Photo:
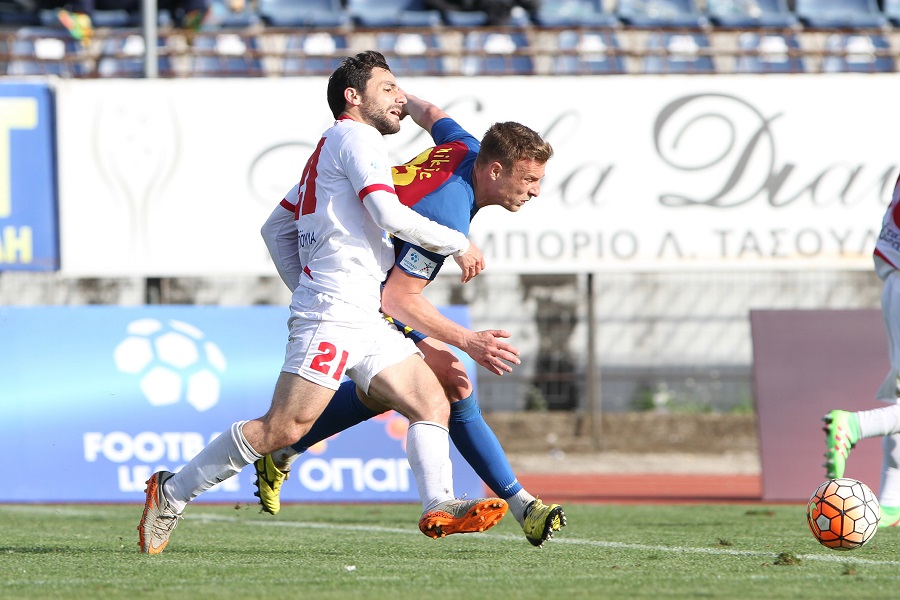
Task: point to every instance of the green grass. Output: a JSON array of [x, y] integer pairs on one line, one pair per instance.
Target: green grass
[[376, 551]]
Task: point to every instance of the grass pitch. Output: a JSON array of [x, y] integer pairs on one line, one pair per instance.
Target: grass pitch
[[376, 551]]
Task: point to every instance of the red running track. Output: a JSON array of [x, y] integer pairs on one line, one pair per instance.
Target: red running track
[[591, 487]]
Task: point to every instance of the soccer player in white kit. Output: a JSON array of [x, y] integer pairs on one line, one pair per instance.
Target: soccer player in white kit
[[345, 205], [844, 429]]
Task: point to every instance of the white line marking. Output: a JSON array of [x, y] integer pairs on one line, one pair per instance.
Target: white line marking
[[836, 557]]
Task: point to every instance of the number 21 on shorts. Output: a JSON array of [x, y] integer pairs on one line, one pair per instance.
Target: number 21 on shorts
[[325, 361]]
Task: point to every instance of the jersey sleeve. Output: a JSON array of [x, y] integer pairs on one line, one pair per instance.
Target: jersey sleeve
[[280, 234], [366, 166], [447, 130]]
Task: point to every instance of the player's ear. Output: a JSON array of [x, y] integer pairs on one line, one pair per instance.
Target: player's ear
[[496, 169], [352, 97]]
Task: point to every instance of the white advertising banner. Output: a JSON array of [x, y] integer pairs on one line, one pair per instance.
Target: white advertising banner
[[175, 177]]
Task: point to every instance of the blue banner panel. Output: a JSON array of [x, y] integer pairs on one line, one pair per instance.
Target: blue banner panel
[[109, 395], [28, 217]]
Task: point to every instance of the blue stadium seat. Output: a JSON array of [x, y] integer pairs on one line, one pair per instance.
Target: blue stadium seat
[[587, 53], [857, 53], [476, 18], [769, 52], [44, 51], [496, 53], [891, 10], [839, 14], [411, 53], [303, 13], [750, 14], [652, 14], [122, 55], [222, 17], [225, 54], [575, 13], [392, 13], [314, 53], [14, 13], [466, 18], [678, 53]]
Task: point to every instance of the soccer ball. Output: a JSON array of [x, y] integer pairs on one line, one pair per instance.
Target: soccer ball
[[173, 361], [843, 514]]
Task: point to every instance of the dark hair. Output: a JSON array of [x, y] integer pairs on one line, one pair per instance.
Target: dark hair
[[353, 72], [509, 142]]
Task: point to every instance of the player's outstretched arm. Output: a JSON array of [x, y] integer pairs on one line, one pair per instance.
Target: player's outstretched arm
[[402, 299], [425, 114]]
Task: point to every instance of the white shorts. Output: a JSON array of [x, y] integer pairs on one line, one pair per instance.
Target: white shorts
[[329, 338]]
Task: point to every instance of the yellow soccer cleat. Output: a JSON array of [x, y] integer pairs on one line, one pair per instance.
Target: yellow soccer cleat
[[268, 484], [541, 520]]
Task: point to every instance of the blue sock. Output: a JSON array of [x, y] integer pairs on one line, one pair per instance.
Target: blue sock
[[343, 412], [477, 443]]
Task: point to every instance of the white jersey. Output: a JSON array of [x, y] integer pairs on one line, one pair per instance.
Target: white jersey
[[328, 234], [343, 251], [887, 247]]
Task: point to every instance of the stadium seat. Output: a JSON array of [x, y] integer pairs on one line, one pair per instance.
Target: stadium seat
[[313, 53], [750, 14], [44, 51], [495, 53], [856, 53], [587, 53], [677, 53], [891, 10], [839, 14], [652, 14], [303, 13], [15, 13], [122, 55], [575, 13], [411, 53], [225, 54], [770, 52], [476, 18], [392, 13], [220, 16], [465, 18]]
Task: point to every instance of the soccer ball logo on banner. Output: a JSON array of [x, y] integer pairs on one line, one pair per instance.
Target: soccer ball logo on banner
[[173, 362]]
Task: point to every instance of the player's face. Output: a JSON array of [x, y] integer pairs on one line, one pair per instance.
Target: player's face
[[382, 102], [518, 185]]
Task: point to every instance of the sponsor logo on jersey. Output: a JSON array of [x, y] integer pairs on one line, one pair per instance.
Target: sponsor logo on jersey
[[427, 172], [417, 264]]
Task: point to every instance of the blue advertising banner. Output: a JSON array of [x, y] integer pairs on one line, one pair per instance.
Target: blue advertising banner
[[28, 216], [105, 396]]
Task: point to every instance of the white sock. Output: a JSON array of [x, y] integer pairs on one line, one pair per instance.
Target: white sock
[[889, 494], [220, 459], [284, 458], [879, 421], [428, 452], [518, 504]]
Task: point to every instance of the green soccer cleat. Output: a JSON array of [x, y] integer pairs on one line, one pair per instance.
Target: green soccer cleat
[[890, 516], [541, 520], [841, 434], [268, 484], [158, 519], [462, 516]]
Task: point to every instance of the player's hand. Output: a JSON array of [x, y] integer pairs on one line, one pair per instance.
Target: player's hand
[[488, 349], [471, 263]]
